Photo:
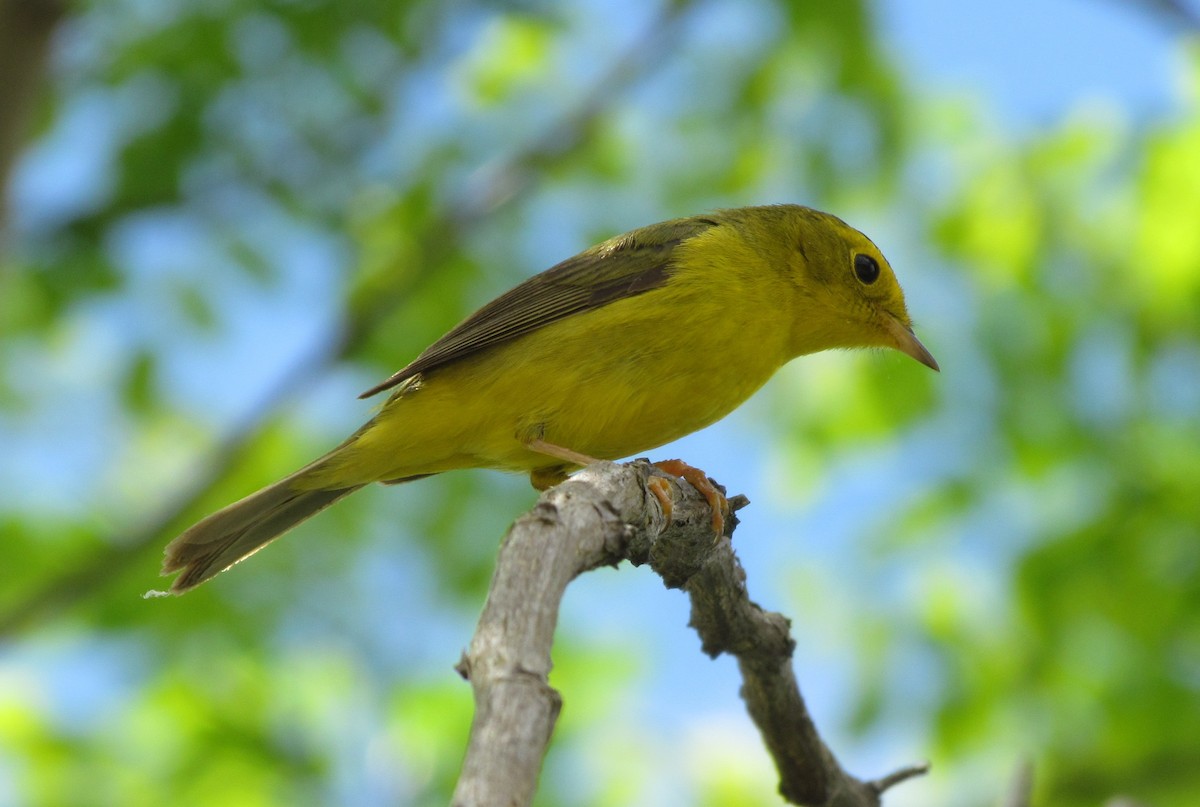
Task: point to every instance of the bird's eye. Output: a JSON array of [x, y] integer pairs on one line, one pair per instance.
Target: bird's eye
[[866, 269]]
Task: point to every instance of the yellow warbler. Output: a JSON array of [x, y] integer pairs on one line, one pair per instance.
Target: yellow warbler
[[628, 345]]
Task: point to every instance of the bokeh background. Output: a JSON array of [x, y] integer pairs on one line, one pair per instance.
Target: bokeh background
[[223, 219]]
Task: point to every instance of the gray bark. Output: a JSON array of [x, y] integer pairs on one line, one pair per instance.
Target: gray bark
[[601, 516]]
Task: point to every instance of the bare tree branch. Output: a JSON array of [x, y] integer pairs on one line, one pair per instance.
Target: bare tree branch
[[600, 516], [573, 528], [504, 183]]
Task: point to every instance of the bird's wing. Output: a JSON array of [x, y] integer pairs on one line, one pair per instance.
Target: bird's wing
[[625, 266]]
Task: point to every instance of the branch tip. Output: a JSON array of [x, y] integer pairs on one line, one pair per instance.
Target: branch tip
[[463, 667], [896, 777], [738, 502]]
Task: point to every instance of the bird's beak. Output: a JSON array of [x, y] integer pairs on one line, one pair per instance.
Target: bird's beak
[[904, 340]]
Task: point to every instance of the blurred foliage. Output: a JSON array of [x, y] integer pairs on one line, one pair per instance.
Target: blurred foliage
[[236, 215]]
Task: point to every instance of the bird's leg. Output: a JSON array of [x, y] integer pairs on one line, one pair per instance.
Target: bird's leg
[[558, 452], [543, 478], [699, 480]]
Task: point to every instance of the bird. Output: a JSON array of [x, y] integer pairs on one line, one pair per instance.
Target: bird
[[628, 345]]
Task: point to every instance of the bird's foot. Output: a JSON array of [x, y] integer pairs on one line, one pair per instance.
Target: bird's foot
[[700, 481]]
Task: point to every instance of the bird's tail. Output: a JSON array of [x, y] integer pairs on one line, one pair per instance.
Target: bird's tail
[[236, 532]]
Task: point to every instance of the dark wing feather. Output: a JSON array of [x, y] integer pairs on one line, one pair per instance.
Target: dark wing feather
[[624, 266]]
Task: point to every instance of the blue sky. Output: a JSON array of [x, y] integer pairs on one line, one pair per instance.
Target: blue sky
[[1031, 62]]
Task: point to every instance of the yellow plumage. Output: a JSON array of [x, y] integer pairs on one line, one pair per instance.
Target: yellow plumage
[[629, 345]]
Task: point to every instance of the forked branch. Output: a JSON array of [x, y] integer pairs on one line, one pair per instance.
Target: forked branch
[[603, 515]]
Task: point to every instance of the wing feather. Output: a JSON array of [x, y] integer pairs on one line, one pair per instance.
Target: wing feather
[[622, 267]]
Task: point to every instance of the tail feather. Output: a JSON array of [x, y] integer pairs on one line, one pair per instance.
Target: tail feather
[[236, 532]]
